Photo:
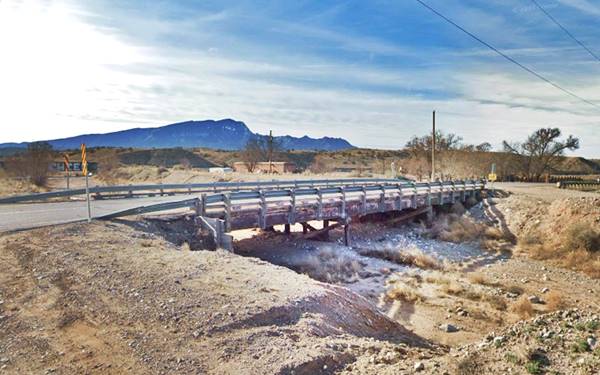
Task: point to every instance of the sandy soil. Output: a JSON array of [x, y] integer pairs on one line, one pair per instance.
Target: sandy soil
[[117, 298]]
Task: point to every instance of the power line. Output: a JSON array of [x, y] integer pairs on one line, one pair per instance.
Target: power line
[[565, 30], [531, 71]]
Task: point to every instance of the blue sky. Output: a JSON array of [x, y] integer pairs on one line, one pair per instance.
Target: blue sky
[[370, 72]]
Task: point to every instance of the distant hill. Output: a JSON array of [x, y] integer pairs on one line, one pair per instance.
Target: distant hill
[[167, 157], [222, 134]]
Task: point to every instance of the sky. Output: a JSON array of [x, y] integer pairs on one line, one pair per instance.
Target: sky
[[368, 71]]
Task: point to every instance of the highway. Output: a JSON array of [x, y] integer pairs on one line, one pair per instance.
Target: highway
[[32, 215]]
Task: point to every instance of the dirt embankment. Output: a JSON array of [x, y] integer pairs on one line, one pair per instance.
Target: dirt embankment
[[119, 298], [106, 298]]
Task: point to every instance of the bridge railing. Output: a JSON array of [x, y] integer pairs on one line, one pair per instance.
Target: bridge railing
[[579, 185], [172, 189], [221, 203]]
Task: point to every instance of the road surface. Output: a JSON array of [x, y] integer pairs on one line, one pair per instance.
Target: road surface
[[544, 192], [32, 215]]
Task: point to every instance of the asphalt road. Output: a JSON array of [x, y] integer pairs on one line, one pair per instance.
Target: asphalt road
[[32, 215]]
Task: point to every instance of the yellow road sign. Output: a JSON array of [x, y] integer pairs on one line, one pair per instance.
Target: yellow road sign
[[492, 177], [66, 161], [83, 160]]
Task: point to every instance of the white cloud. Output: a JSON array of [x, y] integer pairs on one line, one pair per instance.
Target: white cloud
[[64, 76]]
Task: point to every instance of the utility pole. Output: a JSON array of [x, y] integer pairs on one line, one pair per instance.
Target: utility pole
[[433, 150], [270, 151]]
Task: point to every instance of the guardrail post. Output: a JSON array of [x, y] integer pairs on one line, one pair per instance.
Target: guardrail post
[[398, 202], [292, 215], [203, 205], [429, 194], [320, 203], [227, 200], [214, 186], [263, 210], [162, 192], [463, 192], [130, 193], [413, 199], [382, 199], [364, 201], [441, 193], [189, 189], [198, 207], [343, 213]]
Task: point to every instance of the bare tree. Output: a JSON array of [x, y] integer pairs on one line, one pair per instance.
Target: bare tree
[[33, 164], [253, 153], [541, 151]]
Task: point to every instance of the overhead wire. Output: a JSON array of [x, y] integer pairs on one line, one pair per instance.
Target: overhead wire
[[512, 60], [565, 30]]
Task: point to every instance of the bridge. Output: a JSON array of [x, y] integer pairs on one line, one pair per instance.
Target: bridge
[[224, 206], [223, 212]]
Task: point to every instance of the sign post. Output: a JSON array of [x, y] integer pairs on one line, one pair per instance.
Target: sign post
[[67, 169], [87, 183], [492, 176]]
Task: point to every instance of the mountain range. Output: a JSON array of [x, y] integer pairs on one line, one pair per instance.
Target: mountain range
[[223, 134]]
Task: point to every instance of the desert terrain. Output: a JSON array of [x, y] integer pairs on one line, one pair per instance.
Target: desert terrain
[[486, 288]]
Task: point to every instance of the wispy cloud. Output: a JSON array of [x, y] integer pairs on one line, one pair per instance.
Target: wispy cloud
[[369, 72]]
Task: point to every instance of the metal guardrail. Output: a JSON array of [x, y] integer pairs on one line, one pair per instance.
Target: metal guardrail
[[581, 185], [129, 190], [225, 200]]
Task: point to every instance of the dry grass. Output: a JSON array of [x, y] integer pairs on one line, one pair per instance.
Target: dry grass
[[411, 257], [435, 277], [497, 302], [522, 307], [403, 292], [577, 248], [458, 228], [453, 289], [515, 289], [555, 301], [477, 278], [329, 266]]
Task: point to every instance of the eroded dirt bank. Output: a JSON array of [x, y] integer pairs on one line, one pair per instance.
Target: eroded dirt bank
[[116, 298], [105, 298]]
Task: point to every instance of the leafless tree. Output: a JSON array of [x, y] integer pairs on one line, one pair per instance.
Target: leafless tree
[[541, 151], [33, 164], [254, 152]]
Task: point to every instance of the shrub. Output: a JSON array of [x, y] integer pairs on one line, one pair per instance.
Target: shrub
[[404, 293], [580, 346], [496, 302], [581, 236], [555, 301], [523, 308]]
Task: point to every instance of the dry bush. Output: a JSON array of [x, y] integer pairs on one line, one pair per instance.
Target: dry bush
[[459, 228], [493, 233], [329, 266], [555, 301], [581, 236], [454, 228], [452, 288], [411, 257], [515, 289], [403, 292], [496, 302], [522, 307], [436, 277], [578, 249], [477, 278]]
